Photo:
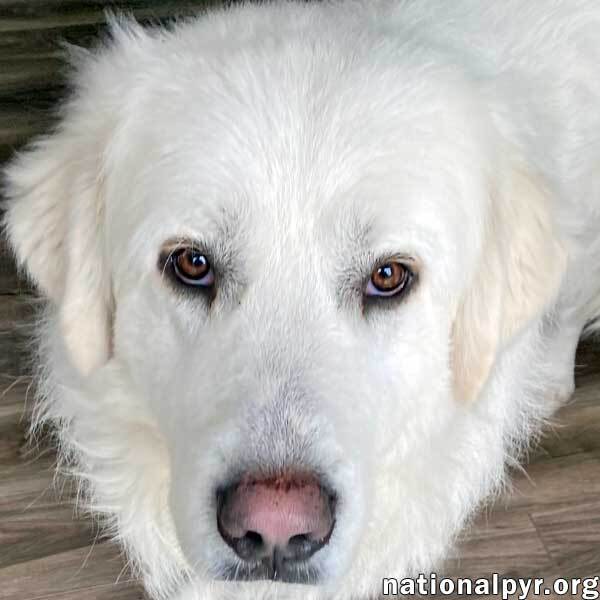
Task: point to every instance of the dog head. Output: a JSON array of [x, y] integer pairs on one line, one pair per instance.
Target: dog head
[[283, 267]]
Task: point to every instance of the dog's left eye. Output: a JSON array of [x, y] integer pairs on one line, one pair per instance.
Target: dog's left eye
[[389, 279], [192, 268]]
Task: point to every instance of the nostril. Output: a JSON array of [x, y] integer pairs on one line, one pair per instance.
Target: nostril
[[299, 539], [247, 547], [301, 547], [251, 546], [254, 538]]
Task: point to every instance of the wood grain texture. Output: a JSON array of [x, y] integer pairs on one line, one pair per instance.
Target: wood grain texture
[[547, 525], [32, 69]]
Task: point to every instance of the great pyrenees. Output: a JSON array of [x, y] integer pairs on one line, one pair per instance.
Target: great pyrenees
[[316, 274]]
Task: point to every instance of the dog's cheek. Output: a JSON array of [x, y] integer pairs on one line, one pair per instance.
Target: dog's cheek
[[146, 341], [412, 407], [410, 365]]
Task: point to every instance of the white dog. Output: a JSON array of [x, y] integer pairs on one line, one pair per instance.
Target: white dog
[[316, 273]]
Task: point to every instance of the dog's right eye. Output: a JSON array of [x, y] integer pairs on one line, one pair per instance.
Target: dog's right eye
[[391, 278], [192, 268]]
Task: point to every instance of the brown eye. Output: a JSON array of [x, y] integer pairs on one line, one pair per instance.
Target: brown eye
[[388, 279], [192, 267]]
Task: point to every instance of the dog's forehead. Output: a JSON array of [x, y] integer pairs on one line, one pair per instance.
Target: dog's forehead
[[339, 205], [279, 147]]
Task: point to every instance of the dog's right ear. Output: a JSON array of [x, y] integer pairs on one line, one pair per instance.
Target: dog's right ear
[[54, 225], [55, 195]]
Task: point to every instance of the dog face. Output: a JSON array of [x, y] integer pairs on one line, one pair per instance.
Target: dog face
[[281, 273]]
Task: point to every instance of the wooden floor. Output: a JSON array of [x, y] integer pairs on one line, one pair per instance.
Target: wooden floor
[[549, 525]]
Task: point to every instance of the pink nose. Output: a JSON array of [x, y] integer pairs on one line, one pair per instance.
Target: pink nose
[[290, 516]]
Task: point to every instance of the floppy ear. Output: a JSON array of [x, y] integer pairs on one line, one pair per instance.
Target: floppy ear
[[518, 276], [54, 225]]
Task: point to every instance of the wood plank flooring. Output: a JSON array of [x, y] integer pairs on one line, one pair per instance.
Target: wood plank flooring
[[548, 525]]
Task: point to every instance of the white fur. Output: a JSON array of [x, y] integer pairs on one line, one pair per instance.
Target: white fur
[[300, 142]]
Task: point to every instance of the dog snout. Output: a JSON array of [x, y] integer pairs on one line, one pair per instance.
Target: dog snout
[[276, 524]]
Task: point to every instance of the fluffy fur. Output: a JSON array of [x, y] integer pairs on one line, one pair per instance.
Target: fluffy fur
[[300, 143]]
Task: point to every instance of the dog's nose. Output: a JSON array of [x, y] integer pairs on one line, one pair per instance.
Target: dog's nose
[[277, 520]]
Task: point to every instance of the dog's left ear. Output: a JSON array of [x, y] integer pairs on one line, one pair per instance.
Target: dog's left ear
[[519, 273]]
